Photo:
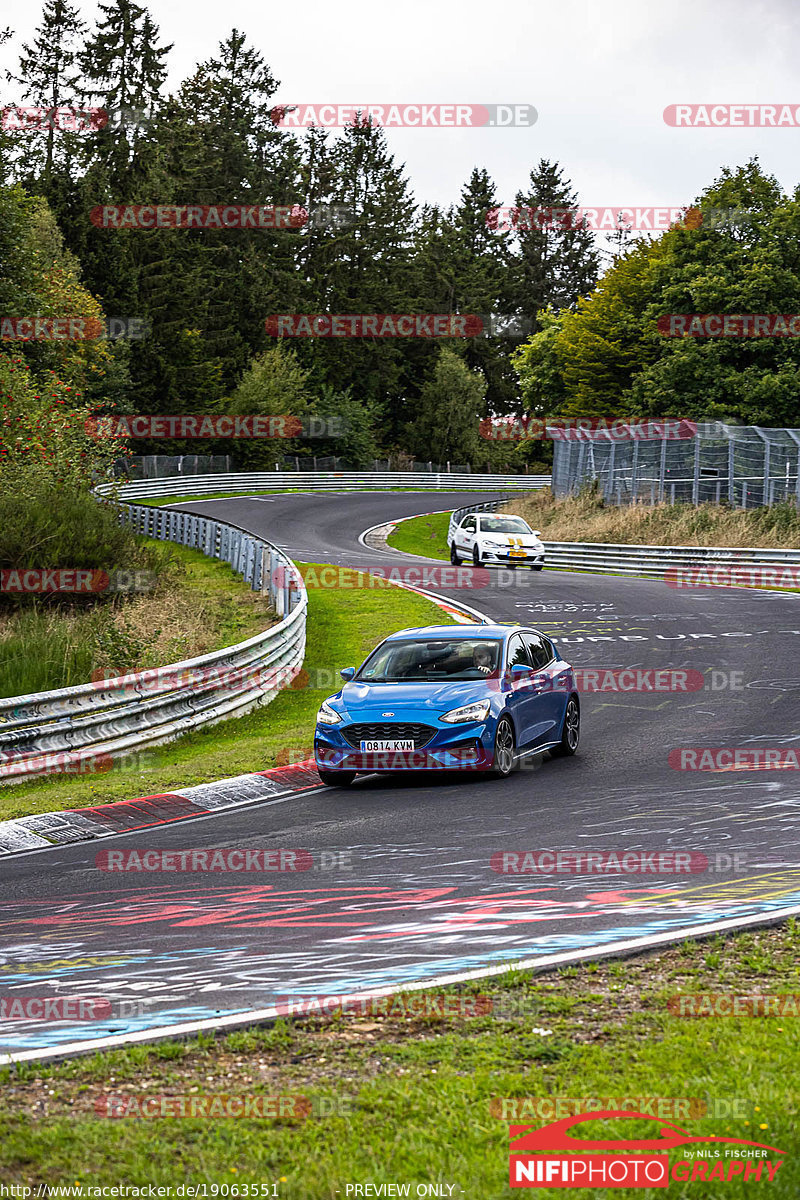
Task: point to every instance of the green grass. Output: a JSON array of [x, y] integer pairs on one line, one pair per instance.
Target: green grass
[[339, 634], [199, 605], [423, 535], [160, 501], [418, 1099]]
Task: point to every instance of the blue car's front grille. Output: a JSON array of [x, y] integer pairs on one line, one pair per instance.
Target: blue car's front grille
[[394, 731]]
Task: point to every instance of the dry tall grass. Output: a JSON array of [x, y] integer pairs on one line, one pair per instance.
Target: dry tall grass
[[586, 518]]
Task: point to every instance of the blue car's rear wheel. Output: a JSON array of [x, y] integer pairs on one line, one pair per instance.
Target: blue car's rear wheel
[[336, 778], [571, 731], [505, 749]]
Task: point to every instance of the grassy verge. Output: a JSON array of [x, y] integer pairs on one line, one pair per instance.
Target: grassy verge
[[160, 501], [198, 605], [422, 535], [420, 1098], [586, 519], [340, 633]]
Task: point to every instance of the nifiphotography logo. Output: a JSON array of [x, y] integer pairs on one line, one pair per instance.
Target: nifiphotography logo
[[550, 1158]]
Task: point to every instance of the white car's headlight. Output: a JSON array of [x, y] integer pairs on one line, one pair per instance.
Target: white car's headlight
[[468, 712], [494, 545], [327, 716]]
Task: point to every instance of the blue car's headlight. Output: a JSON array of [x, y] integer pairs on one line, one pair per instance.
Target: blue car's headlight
[[468, 712], [327, 715]]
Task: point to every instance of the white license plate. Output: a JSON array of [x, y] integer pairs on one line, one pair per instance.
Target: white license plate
[[407, 744]]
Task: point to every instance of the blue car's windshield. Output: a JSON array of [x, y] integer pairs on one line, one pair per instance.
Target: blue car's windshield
[[428, 661]]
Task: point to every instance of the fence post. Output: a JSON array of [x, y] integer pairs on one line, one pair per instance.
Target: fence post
[[662, 471], [635, 470], [610, 482], [696, 480], [765, 486], [731, 469], [265, 570]]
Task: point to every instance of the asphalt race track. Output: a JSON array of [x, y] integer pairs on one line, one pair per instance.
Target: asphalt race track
[[414, 897]]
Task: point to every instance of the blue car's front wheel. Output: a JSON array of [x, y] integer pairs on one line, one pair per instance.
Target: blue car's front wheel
[[505, 749], [571, 731]]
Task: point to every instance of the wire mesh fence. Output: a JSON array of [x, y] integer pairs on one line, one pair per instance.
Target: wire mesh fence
[[745, 466], [160, 466]]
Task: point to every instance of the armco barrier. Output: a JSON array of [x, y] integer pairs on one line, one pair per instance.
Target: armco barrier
[[614, 558], [306, 481], [70, 728], [654, 561]]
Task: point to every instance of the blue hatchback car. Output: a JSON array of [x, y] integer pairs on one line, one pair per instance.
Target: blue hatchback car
[[449, 697]]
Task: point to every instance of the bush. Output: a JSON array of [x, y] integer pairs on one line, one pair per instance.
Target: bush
[[44, 526]]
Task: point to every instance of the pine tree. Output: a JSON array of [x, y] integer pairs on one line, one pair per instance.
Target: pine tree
[[5, 138], [558, 261], [485, 286], [367, 267], [49, 75], [124, 67]]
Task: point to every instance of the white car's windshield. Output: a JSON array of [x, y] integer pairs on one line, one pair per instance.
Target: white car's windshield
[[504, 525], [448, 660]]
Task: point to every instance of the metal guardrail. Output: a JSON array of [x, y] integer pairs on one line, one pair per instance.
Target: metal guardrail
[[305, 481], [615, 558], [612, 558], [82, 727]]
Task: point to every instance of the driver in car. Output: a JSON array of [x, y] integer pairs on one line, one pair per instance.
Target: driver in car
[[482, 659]]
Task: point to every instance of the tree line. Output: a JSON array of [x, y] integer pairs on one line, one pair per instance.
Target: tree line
[[204, 293]]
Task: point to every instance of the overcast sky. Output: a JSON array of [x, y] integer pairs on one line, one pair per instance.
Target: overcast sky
[[599, 74]]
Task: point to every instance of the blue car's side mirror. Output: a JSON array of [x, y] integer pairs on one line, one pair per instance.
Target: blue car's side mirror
[[347, 672], [518, 670]]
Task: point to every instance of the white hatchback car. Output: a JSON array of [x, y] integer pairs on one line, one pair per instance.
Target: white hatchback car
[[486, 538]]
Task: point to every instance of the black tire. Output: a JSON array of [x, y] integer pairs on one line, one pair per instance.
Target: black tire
[[538, 567], [336, 778], [454, 559], [476, 556], [571, 731], [505, 750]]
